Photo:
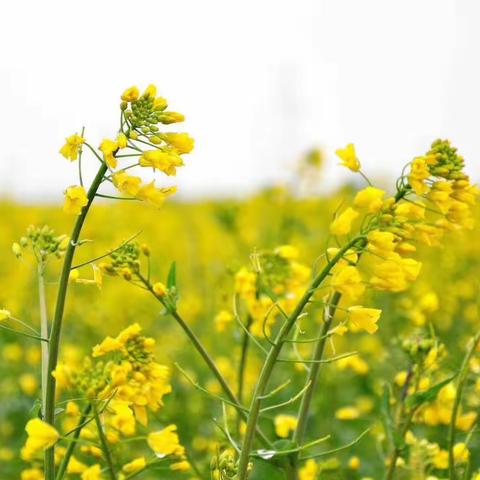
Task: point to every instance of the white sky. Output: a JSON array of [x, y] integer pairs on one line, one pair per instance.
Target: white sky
[[259, 81]]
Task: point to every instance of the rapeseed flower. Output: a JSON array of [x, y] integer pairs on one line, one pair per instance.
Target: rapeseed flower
[[75, 200]]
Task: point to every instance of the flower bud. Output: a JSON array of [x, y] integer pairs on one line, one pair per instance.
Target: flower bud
[[155, 139], [17, 250], [159, 289], [171, 117], [127, 274]]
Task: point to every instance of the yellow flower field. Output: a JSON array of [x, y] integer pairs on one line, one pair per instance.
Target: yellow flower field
[[277, 336]]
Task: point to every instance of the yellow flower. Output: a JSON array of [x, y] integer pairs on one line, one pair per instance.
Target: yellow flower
[[181, 142], [364, 318], [354, 463], [75, 200], [165, 442], [135, 465], [381, 243], [108, 148], [92, 473], [154, 195], [348, 282], [32, 474], [343, 223], [222, 319], [309, 471], [466, 421], [284, 424], [182, 466], [410, 211], [75, 466], [122, 140], [159, 289], [288, 252], [72, 146], [167, 162], [347, 413], [130, 94], [355, 363], [348, 157], [160, 103], [108, 345], [171, 117], [28, 383], [150, 91], [4, 314], [41, 435], [370, 199], [127, 184], [128, 333], [122, 418], [418, 174], [460, 453]]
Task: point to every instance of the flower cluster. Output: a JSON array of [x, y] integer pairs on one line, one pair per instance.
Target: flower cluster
[[43, 241], [124, 380], [140, 119], [276, 279], [392, 227], [129, 375]]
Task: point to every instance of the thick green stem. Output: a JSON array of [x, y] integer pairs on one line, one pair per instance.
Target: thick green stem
[[71, 445], [314, 373], [43, 331], [58, 318], [456, 405], [272, 357], [204, 354], [242, 366], [104, 444]]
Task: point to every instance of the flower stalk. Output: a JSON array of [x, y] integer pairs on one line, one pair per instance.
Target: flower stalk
[[463, 374], [273, 355], [56, 329]]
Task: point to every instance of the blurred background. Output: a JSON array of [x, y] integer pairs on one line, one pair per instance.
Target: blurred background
[[260, 83]]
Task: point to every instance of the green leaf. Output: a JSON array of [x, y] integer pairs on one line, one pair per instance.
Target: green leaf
[[35, 411], [417, 399], [386, 412], [172, 276]]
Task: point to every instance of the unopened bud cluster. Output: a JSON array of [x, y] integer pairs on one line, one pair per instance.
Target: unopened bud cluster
[[418, 346], [125, 261], [224, 466], [43, 241]]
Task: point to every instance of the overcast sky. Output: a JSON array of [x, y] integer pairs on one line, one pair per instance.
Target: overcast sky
[[260, 82]]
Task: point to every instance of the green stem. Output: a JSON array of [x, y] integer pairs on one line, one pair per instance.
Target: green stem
[[314, 373], [43, 331], [204, 354], [104, 443], [456, 405], [408, 421], [241, 367], [272, 357], [58, 318], [71, 446]]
